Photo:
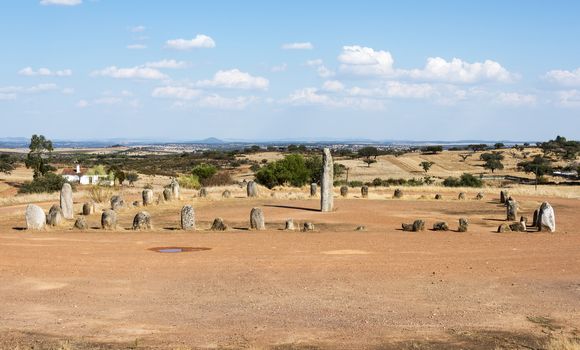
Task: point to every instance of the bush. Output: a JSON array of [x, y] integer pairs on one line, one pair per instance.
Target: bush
[[204, 171], [48, 183], [466, 180], [220, 179], [292, 170], [189, 181], [100, 194]]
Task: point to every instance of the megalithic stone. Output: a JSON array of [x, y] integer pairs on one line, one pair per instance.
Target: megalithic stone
[[252, 189], [327, 182], [66, 201]]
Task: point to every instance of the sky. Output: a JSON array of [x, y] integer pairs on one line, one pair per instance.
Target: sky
[[273, 70]]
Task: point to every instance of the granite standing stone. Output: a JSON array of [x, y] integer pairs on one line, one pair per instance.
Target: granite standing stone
[[226, 194], [88, 208], [257, 221], [546, 218], [202, 192], [313, 189], [327, 182], [81, 223], [463, 225], [55, 216], [307, 226], [35, 217], [187, 218], [218, 225], [66, 201], [344, 191], [461, 196], [117, 202], [503, 196], [174, 189], [512, 210], [289, 225], [147, 196], [398, 193], [252, 189], [440, 226], [109, 219], [364, 191], [142, 221], [167, 194]]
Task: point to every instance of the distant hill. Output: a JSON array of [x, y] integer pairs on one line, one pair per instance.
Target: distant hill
[[211, 141]]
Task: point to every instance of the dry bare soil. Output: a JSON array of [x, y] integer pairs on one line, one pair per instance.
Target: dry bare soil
[[333, 288]]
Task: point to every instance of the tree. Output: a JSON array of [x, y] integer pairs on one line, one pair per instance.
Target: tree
[[204, 171], [39, 156], [561, 148], [540, 166], [492, 161], [499, 145], [477, 147], [369, 155], [132, 177], [432, 149], [6, 163], [426, 166]]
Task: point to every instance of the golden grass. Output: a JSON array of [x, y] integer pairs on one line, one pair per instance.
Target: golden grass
[[563, 343]]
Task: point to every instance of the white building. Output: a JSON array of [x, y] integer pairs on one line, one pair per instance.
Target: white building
[[79, 175]]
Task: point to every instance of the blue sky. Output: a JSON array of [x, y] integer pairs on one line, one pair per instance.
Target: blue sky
[[421, 70]]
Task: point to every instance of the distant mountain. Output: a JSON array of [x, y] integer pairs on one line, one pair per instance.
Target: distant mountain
[[211, 141]]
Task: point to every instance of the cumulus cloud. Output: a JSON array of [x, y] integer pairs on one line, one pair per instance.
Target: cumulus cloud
[[365, 61], [459, 71], [200, 41], [321, 69], [139, 72], [136, 47], [29, 72], [169, 64], [61, 2], [516, 99], [298, 46], [569, 98], [176, 92], [564, 77], [235, 79]]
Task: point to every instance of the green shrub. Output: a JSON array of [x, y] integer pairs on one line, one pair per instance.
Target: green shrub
[[189, 181], [292, 170], [466, 180], [204, 171], [48, 183]]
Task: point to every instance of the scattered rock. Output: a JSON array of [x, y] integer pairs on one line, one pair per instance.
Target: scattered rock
[[407, 227], [327, 182], [117, 202], [440, 226], [66, 201], [463, 225], [218, 225], [257, 221], [461, 196], [504, 228], [360, 228], [81, 223], [109, 220], [252, 189], [524, 219], [142, 221], [438, 196], [546, 218], [344, 191], [136, 204], [479, 196], [364, 191], [88, 208], [289, 225], [518, 227], [535, 218], [307, 226], [512, 210], [187, 218], [167, 194], [313, 189], [398, 193], [35, 217], [174, 186], [226, 194], [54, 217], [418, 225], [147, 196]]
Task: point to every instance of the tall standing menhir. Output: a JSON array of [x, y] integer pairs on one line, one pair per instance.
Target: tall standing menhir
[[326, 183]]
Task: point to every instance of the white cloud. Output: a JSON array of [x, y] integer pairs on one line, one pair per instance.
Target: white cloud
[[200, 41], [298, 46], [28, 71], [7, 96], [459, 71], [61, 2], [516, 99], [138, 29], [564, 77], [569, 98], [28, 90], [177, 92], [220, 102], [170, 64], [314, 63], [82, 104], [314, 97], [279, 68], [333, 85], [68, 91], [136, 47], [321, 69], [365, 61], [138, 72], [235, 79]]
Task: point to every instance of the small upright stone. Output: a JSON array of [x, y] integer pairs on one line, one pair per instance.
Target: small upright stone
[[202, 192], [142, 221], [88, 208], [167, 194], [546, 218], [307, 226], [81, 223], [438, 196], [54, 217], [147, 197], [398, 193], [479, 196], [407, 227], [418, 225], [327, 182], [117, 202], [226, 194], [535, 218], [344, 191], [66, 201], [313, 189], [512, 210], [463, 225], [289, 225], [518, 227], [461, 196], [503, 196], [174, 186], [364, 191], [35, 217], [440, 226], [218, 225], [252, 189], [187, 218], [257, 219], [109, 220]]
